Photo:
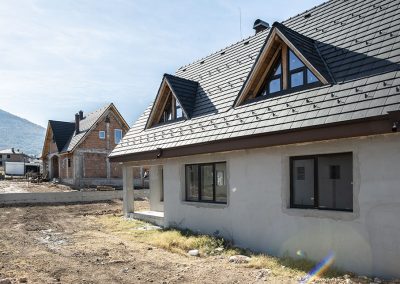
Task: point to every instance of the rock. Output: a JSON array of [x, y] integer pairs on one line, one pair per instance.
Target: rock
[[125, 270], [348, 281], [23, 280], [346, 276], [377, 280], [239, 259], [220, 249], [5, 281], [194, 252]]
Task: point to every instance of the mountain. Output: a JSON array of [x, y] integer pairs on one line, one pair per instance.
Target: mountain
[[19, 133]]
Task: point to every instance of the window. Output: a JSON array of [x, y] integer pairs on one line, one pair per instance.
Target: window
[[172, 110], [69, 163], [8, 156], [295, 73], [299, 74], [322, 182], [206, 182], [117, 135], [102, 135]]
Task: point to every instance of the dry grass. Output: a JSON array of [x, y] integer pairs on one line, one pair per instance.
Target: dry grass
[[180, 241]]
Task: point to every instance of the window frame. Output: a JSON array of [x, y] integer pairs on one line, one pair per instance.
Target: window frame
[[289, 89], [104, 133], [115, 135], [174, 118], [316, 185], [199, 200]]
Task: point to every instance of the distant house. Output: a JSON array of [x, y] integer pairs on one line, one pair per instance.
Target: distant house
[[12, 155], [286, 141], [77, 152]]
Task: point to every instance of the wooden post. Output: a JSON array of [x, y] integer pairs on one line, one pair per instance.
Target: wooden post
[[127, 174], [285, 66]]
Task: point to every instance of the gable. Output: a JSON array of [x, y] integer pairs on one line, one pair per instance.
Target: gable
[[279, 45], [174, 93], [89, 123]]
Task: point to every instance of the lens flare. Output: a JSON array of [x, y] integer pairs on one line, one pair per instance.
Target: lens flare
[[301, 253], [319, 269]]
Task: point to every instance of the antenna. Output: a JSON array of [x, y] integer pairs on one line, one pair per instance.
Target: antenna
[[240, 22]]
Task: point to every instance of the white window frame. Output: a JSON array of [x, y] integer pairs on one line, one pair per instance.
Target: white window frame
[[115, 135], [102, 135]]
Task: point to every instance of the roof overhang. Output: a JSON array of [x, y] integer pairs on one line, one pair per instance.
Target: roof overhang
[[339, 130]]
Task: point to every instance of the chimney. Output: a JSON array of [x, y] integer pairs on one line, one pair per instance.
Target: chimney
[[260, 25], [80, 115], [12, 150], [77, 122]]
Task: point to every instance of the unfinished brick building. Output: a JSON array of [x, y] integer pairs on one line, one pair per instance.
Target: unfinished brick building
[[76, 152]]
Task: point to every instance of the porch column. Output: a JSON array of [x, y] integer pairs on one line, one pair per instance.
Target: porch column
[[156, 188], [50, 168], [127, 175]]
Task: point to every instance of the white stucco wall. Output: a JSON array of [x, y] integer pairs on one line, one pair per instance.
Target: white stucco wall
[[258, 216]]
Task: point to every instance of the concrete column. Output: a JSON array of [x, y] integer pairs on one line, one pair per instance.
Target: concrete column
[[156, 184], [50, 168], [108, 165], [127, 175]]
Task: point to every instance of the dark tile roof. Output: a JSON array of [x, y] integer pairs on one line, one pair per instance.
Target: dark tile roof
[[185, 90], [358, 40], [62, 132], [308, 48]]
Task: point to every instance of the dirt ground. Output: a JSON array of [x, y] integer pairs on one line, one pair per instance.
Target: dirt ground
[[16, 186], [67, 244], [70, 244]]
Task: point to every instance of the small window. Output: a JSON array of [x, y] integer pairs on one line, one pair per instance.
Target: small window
[[206, 182], [178, 109], [8, 156], [69, 163], [117, 136], [172, 110], [322, 182], [274, 83], [102, 135], [294, 61]]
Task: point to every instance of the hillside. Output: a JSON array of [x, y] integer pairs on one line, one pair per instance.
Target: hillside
[[20, 133]]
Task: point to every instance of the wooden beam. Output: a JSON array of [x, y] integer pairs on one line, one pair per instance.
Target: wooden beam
[[285, 66], [266, 72]]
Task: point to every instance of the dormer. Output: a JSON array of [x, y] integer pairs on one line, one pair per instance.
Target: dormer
[[287, 62], [174, 101]]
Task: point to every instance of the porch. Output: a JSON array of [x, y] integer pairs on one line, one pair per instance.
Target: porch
[[155, 214]]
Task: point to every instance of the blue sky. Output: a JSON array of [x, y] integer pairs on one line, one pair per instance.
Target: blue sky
[[57, 57]]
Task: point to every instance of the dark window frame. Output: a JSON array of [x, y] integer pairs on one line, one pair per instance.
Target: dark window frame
[[304, 86], [316, 186], [199, 200]]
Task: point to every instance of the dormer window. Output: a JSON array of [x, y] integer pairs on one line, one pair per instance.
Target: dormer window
[[175, 101], [288, 62], [285, 77], [172, 110]]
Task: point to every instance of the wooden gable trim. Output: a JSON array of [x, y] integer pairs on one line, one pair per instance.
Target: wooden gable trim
[[160, 103], [257, 75], [46, 141]]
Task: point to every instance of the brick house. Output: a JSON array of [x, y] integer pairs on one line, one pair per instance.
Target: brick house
[[76, 152]]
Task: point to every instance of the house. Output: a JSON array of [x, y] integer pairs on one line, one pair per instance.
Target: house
[[284, 142], [76, 152], [12, 155]]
